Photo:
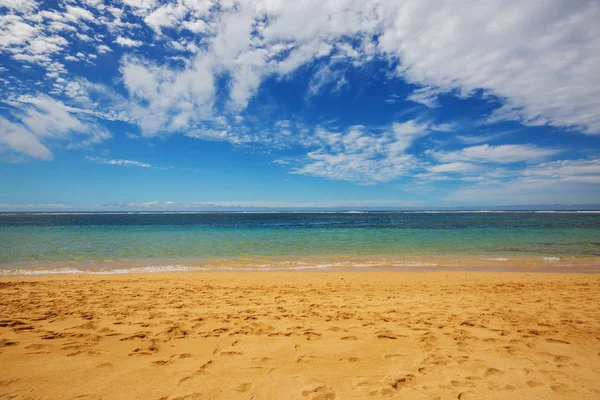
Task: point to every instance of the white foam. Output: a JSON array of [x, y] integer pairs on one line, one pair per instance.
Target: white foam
[[414, 264], [108, 271], [37, 272], [551, 258], [497, 259]]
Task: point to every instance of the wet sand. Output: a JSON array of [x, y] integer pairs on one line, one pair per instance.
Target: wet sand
[[301, 335]]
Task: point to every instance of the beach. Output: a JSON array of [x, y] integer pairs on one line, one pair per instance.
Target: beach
[[301, 335]]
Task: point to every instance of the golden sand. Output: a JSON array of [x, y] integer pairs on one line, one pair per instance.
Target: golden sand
[[310, 335]]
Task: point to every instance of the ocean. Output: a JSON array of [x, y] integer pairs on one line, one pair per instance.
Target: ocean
[[65, 243]]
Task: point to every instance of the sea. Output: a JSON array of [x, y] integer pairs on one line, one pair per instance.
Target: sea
[[109, 243]]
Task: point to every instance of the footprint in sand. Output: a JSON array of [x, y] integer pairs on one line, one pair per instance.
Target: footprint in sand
[[534, 384], [386, 336], [53, 335], [137, 335], [462, 384], [311, 335], [397, 382], [393, 356], [501, 387], [182, 356], [231, 353], [7, 383], [350, 359], [321, 392], [304, 358], [243, 387], [551, 340], [262, 359], [560, 388], [349, 338], [492, 371], [8, 343], [204, 367]]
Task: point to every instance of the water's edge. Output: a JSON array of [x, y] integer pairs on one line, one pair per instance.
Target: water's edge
[[405, 264]]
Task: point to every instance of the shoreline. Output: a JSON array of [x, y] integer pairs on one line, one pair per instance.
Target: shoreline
[[407, 263]]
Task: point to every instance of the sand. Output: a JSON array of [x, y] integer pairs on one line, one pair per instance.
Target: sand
[[308, 335]]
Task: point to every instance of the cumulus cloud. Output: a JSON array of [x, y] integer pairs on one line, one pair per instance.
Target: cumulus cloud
[[361, 156], [256, 39], [19, 5], [166, 16], [538, 57], [164, 99], [126, 42], [537, 60]]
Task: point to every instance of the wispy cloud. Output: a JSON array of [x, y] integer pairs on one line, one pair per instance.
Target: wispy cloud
[[503, 154], [565, 181], [480, 138], [123, 163], [39, 121]]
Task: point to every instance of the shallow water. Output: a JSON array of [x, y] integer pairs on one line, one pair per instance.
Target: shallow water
[[180, 241]]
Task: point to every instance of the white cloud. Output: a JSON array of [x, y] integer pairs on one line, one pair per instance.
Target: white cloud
[[103, 49], [361, 156], [539, 57], [14, 31], [327, 76], [454, 167], [427, 96], [40, 120], [584, 171], [167, 15], [503, 154], [197, 26], [216, 205], [540, 60], [476, 139], [565, 181], [166, 100], [20, 140], [19, 5], [141, 5], [126, 42], [49, 118], [502, 58], [123, 163], [75, 14]]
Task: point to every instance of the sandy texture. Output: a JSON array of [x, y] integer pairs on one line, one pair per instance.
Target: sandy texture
[[301, 336]]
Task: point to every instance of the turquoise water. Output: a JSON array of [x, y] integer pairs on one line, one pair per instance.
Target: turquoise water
[[30, 240]]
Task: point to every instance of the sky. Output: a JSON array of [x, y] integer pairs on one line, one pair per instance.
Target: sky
[[206, 104]]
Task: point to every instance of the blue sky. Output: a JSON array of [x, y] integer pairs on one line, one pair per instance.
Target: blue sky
[[201, 104]]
